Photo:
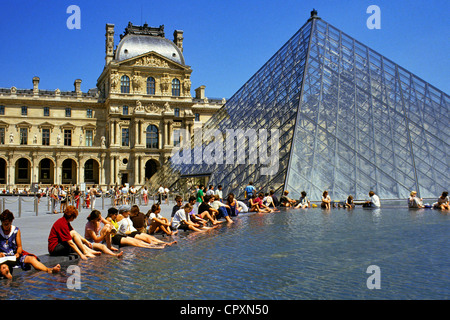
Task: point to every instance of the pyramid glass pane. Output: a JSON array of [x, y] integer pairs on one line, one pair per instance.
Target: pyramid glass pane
[[349, 121]]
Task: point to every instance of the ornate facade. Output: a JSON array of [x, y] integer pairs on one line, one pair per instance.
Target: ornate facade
[[119, 132]]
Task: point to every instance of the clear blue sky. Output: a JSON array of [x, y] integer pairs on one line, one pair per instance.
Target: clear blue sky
[[225, 41]]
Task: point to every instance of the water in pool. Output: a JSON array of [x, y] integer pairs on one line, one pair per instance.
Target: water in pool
[[293, 254]]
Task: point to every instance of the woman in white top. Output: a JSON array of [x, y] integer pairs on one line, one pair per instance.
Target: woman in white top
[[414, 201], [326, 200], [157, 221]]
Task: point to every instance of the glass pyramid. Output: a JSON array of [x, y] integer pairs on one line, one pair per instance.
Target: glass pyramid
[[349, 121]]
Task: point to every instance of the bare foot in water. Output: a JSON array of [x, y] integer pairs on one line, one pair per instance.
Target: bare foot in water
[[93, 254], [55, 269]]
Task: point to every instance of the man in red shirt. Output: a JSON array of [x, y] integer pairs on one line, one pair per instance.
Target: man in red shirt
[[63, 239]]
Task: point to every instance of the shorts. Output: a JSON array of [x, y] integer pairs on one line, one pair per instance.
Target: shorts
[[116, 239], [133, 234], [62, 249]]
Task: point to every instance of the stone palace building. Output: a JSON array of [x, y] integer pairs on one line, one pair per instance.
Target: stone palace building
[[120, 132]]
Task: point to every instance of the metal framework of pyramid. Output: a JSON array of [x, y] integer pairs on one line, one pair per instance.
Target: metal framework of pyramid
[[349, 121]]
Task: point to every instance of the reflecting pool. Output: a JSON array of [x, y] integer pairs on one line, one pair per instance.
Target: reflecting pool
[[293, 254]]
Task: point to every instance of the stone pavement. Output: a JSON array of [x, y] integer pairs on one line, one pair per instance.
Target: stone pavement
[[35, 229]]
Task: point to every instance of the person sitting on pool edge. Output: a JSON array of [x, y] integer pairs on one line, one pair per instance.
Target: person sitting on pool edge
[[326, 201], [63, 239], [374, 201], [443, 202], [303, 202], [218, 208], [200, 217], [181, 220], [11, 245], [138, 218], [256, 205], [126, 228], [95, 234], [122, 240], [349, 202], [415, 202], [157, 222], [285, 201]]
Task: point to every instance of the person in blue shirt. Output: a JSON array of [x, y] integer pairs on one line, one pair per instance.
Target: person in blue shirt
[[249, 190]]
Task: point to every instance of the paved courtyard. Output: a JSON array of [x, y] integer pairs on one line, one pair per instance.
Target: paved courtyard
[[35, 226]]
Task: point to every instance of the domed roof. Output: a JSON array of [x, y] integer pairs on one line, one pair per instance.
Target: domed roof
[[133, 45]]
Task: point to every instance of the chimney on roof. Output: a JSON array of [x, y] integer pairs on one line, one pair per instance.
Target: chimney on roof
[[36, 85], [178, 39], [77, 85], [200, 93]]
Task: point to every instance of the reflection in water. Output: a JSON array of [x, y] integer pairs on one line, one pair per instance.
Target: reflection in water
[[293, 254]]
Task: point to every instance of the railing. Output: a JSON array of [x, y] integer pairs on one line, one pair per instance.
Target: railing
[[19, 204]]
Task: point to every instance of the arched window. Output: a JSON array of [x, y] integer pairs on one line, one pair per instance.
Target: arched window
[[125, 84], [152, 137], [150, 85], [175, 87]]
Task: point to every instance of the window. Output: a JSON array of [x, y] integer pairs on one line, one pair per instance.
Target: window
[[2, 110], [45, 169], [152, 137], [22, 170], [197, 117], [176, 112], [67, 137], [175, 87], [67, 169], [24, 110], [125, 110], [68, 112], [89, 113], [89, 138], [89, 170], [46, 112], [45, 137], [2, 135], [125, 137], [150, 85], [124, 84], [23, 135]]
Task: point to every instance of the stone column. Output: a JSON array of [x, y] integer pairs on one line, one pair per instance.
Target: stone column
[[111, 170], [80, 171], [58, 171], [115, 133], [34, 169], [141, 170], [116, 169], [101, 171], [11, 179]]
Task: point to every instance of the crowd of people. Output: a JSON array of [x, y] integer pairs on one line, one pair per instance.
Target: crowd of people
[[205, 210]]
